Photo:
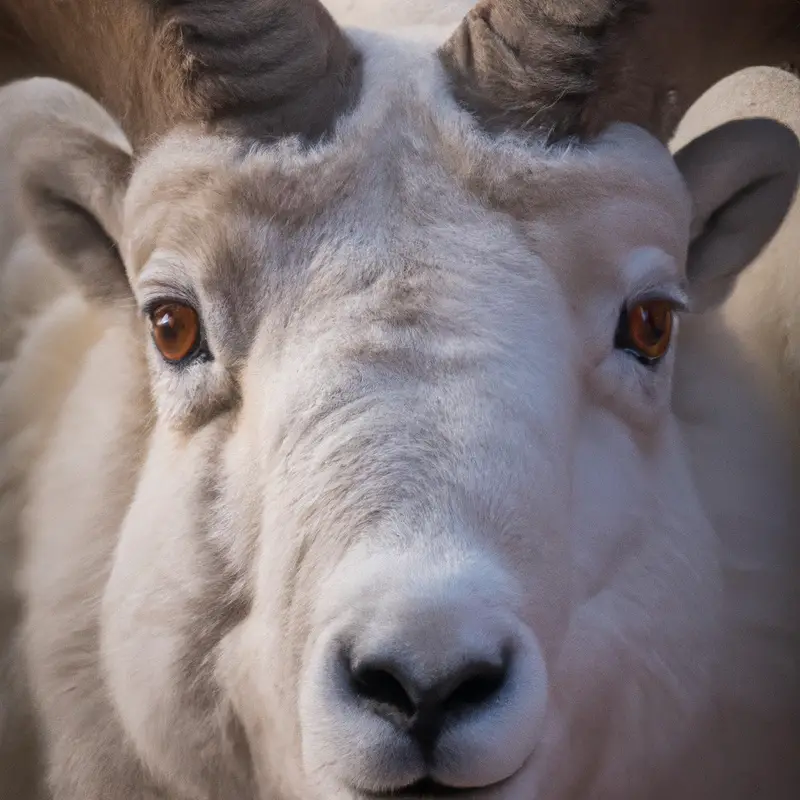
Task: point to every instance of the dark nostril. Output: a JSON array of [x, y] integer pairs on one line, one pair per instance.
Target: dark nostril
[[422, 708], [382, 690], [475, 686]]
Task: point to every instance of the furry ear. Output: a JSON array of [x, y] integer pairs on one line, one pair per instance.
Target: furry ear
[[72, 168], [742, 177]]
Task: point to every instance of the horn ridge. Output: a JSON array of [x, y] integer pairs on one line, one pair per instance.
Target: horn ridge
[[532, 65], [259, 68], [268, 68], [571, 67]]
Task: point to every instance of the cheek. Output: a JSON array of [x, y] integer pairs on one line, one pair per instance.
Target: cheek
[[262, 660], [607, 495], [611, 491], [535, 548], [643, 635], [635, 507], [154, 653], [154, 558]]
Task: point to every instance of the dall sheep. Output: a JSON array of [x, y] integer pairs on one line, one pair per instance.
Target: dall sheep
[[764, 307], [398, 448]]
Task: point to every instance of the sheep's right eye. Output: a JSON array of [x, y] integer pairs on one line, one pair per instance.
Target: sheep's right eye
[[176, 331]]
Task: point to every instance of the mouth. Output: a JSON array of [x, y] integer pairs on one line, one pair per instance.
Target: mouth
[[427, 788]]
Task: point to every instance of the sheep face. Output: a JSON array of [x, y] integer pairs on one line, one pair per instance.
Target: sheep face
[[408, 514], [414, 512]]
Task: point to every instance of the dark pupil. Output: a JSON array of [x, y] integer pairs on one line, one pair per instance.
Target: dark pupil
[[168, 326], [653, 325]]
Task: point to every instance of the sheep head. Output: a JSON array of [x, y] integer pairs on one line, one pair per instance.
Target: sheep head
[[396, 408]]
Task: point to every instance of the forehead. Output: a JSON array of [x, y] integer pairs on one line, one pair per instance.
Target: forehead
[[407, 175]]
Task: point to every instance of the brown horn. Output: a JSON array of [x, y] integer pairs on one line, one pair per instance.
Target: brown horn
[[264, 68], [570, 67]]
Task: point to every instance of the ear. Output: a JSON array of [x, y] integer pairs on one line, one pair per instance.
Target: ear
[[72, 167], [73, 198], [742, 177]]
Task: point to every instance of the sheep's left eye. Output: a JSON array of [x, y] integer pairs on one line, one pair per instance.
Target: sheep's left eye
[[645, 330]]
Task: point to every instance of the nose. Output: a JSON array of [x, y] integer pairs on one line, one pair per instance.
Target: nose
[[422, 680], [421, 705]]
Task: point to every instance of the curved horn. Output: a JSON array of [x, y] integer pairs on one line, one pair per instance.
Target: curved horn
[[267, 68], [570, 67]]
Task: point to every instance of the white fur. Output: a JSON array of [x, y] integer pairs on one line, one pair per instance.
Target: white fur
[[429, 422]]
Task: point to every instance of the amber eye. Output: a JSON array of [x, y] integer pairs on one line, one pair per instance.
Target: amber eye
[[176, 330], [645, 330]]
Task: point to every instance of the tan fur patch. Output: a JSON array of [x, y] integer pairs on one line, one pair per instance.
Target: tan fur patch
[[262, 68]]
